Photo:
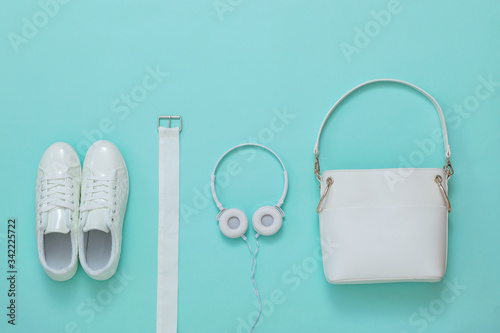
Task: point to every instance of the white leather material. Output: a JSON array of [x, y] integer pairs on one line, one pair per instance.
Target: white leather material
[[274, 220], [383, 187], [233, 232], [168, 230], [385, 225], [423, 92], [104, 197], [57, 199], [384, 244], [374, 231], [56, 221], [97, 220]]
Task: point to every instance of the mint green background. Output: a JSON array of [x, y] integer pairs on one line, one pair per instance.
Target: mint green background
[[227, 78]]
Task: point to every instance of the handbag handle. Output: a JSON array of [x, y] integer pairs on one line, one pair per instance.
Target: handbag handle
[[447, 167]]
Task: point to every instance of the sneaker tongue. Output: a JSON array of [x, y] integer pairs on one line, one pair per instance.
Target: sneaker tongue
[[96, 220], [56, 221]]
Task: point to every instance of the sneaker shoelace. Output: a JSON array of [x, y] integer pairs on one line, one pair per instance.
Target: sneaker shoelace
[[57, 192], [100, 192]]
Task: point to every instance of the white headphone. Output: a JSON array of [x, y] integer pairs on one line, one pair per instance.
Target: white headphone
[[266, 220]]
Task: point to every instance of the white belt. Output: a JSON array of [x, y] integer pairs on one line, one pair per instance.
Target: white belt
[[168, 228]]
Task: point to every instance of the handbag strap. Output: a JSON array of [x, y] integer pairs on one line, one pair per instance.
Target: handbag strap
[[448, 168]]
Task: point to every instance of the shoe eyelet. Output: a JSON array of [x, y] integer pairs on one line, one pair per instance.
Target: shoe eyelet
[[113, 219], [73, 202], [114, 203], [116, 179], [114, 211], [114, 195]]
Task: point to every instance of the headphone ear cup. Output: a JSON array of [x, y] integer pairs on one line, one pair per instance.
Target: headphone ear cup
[[267, 220], [233, 223]]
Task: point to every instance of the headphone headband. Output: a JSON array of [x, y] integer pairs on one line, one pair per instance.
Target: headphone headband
[[280, 202]]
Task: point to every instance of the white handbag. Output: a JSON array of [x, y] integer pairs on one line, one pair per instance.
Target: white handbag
[[373, 231]]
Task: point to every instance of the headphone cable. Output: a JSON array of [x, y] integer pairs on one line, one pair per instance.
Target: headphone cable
[[253, 265]]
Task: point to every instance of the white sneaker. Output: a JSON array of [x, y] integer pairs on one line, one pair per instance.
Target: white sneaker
[[57, 200], [103, 203]]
